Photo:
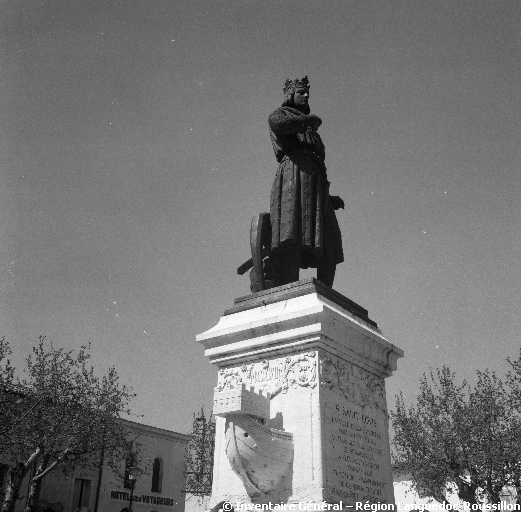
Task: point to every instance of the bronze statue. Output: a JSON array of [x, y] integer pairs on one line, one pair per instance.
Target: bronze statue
[[302, 230]]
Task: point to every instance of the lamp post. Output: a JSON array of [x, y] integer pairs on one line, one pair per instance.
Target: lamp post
[[133, 473]]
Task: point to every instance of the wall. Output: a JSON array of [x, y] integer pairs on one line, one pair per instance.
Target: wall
[[171, 448], [62, 494]]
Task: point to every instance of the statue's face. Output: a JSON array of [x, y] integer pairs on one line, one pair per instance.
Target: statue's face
[[301, 97]]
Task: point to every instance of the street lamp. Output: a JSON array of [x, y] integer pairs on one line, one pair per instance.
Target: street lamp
[[133, 473]]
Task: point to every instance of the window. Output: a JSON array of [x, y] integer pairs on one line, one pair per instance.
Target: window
[[81, 493], [157, 475]]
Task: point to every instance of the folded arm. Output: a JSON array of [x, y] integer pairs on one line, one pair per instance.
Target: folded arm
[[285, 122]]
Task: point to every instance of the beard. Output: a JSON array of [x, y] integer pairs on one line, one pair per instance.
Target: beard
[[290, 103]]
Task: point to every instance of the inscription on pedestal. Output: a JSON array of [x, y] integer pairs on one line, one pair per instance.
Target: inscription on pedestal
[[355, 428], [357, 465]]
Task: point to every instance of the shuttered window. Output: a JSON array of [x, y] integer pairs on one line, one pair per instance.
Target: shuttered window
[[157, 475], [81, 493]]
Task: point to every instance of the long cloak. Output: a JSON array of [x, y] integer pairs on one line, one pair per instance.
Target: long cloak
[[301, 213]]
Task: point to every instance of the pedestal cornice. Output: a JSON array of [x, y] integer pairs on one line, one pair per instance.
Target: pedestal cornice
[[302, 316]]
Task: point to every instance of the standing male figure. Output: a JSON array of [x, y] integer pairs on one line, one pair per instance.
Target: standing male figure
[[304, 227]]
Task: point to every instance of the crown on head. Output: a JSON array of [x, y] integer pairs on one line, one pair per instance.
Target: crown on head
[[292, 85]]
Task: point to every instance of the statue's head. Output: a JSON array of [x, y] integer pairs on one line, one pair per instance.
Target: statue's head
[[296, 93]]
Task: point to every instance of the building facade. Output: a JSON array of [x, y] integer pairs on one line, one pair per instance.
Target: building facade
[[159, 488]]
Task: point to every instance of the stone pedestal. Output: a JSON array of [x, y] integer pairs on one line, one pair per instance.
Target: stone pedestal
[[320, 362]]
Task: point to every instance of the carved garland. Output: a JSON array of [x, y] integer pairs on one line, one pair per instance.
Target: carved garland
[[273, 376], [355, 384]]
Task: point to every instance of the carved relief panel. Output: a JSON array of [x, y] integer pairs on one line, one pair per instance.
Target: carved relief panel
[[354, 383], [274, 376]]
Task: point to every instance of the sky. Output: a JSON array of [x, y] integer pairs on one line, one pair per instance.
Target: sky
[[134, 151]]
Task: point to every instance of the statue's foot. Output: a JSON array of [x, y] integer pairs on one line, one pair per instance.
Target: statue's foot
[[326, 273], [270, 283]]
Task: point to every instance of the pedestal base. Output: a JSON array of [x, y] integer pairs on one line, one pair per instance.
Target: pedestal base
[[323, 362]]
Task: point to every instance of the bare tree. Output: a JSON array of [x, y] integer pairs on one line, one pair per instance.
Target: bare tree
[[62, 416]]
